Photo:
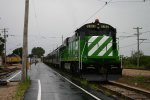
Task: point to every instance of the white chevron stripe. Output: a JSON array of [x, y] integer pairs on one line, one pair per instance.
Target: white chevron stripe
[[111, 54], [109, 45], [91, 40], [97, 45], [105, 50], [102, 52]]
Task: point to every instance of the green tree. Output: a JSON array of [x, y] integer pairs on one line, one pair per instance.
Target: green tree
[[144, 61], [38, 51], [131, 62], [18, 51], [30, 55], [134, 56], [2, 41]]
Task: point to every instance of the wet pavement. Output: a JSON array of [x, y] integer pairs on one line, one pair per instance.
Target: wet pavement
[[52, 86]]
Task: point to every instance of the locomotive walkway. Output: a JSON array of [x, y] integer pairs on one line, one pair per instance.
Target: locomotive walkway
[[50, 85]]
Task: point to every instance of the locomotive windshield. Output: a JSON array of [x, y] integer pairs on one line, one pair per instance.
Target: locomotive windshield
[[99, 29]]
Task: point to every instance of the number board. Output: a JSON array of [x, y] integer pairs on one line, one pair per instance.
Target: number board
[[97, 26]]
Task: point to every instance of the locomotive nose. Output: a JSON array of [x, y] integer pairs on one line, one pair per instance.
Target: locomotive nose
[[100, 46]]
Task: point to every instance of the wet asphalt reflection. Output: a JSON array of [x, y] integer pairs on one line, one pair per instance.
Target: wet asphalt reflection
[[53, 87]]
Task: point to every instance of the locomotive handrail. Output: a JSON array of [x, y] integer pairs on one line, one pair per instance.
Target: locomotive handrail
[[82, 54]]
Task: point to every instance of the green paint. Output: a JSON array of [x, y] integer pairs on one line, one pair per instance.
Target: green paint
[[108, 52], [94, 42], [102, 47]]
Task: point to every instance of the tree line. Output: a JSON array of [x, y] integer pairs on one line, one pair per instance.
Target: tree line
[[131, 62], [38, 51]]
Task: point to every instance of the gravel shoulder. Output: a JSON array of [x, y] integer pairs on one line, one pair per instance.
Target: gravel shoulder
[[136, 78], [8, 92], [134, 72]]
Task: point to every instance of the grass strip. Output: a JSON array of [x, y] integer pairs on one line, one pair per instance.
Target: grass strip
[[22, 88]]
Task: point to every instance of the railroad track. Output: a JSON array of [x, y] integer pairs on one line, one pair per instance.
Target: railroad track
[[126, 92], [4, 73], [120, 91]]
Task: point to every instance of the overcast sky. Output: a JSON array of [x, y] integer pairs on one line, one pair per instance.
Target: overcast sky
[[50, 19]]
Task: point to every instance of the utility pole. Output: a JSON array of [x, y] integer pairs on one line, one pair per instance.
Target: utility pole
[[138, 51], [25, 42], [62, 39], [5, 36]]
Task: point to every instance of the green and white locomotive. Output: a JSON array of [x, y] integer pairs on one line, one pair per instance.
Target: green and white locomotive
[[91, 53]]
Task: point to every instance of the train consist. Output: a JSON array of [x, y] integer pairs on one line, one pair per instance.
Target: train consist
[[13, 59], [91, 53]]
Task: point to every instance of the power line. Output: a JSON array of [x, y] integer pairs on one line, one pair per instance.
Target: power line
[[50, 37], [132, 45], [34, 9], [133, 35], [128, 45], [127, 36], [123, 33], [106, 3], [131, 1], [36, 17], [126, 1], [145, 32], [148, 39], [146, 42]]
